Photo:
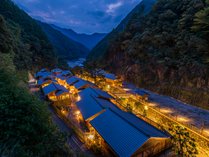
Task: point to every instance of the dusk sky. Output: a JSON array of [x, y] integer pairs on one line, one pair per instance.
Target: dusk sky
[[83, 16]]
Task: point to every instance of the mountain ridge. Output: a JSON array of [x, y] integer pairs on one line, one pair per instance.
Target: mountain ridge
[[68, 49], [88, 40]]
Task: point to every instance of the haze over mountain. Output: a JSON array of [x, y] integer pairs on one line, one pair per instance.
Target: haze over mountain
[[165, 50], [88, 40]]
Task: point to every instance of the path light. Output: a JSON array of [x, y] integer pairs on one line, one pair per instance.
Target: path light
[[108, 86], [166, 110], [77, 113], [91, 137], [146, 107], [183, 119], [78, 98]]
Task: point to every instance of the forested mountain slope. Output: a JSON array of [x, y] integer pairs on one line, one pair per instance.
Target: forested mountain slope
[[22, 40], [64, 46], [26, 127], [88, 40], [166, 51], [101, 48]]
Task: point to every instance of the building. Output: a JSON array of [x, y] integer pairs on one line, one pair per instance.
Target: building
[[76, 84], [55, 92], [124, 133]]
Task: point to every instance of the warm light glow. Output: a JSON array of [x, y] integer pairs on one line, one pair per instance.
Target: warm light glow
[[152, 104], [206, 131], [78, 98], [91, 137], [108, 86], [77, 113], [146, 107], [183, 119], [166, 110]]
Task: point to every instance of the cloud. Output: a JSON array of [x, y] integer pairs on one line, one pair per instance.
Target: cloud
[[83, 16], [111, 8]]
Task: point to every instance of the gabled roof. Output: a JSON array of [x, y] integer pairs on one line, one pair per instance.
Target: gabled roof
[[54, 87], [49, 89], [80, 84], [66, 72], [43, 74], [42, 81], [108, 75], [96, 93], [88, 106], [56, 70], [122, 137], [72, 80], [61, 77]]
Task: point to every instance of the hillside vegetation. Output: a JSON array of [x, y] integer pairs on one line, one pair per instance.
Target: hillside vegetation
[[26, 128], [166, 51], [22, 40]]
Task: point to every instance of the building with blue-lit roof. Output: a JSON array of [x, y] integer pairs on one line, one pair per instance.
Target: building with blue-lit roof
[[55, 92], [124, 133]]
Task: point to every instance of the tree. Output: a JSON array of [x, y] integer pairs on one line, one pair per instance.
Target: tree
[[201, 21], [184, 144], [26, 128]]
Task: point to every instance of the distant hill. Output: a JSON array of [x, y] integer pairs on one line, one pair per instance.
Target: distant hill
[[101, 48], [87, 40], [64, 46]]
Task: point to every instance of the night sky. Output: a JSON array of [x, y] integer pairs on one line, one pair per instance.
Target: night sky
[[83, 16]]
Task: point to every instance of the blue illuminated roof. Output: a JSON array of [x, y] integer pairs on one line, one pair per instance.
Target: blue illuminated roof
[[108, 75], [120, 135], [72, 80], [56, 70], [49, 89], [54, 87]]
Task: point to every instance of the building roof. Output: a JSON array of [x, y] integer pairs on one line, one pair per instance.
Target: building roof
[[43, 74], [66, 72], [80, 84], [56, 70], [91, 103], [108, 75], [122, 137], [49, 89], [54, 87], [61, 77], [72, 80]]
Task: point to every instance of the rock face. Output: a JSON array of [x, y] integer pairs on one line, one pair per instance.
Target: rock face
[[160, 51]]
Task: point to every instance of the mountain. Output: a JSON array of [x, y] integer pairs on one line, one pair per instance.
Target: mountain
[[23, 44], [165, 50], [87, 40], [64, 46], [100, 49]]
